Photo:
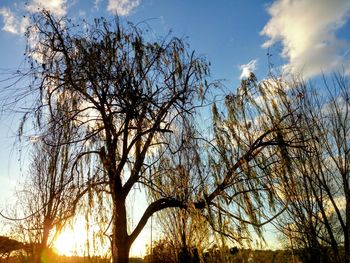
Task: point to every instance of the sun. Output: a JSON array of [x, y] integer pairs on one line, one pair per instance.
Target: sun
[[72, 240], [138, 248]]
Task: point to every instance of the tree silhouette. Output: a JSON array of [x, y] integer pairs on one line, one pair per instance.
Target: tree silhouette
[[186, 229], [318, 189], [123, 95], [8, 245], [126, 96], [49, 195]]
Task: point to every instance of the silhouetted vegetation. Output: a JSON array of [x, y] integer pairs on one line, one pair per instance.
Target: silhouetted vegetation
[[116, 110], [162, 253], [8, 245], [316, 192], [53, 258]]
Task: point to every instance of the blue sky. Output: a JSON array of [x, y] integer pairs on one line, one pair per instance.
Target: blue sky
[[303, 36], [307, 36]]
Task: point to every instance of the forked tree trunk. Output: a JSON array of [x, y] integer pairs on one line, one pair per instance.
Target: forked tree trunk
[[120, 238]]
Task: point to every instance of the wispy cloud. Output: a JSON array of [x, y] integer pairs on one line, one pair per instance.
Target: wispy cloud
[[122, 7], [307, 31], [247, 69], [16, 23], [12, 23], [56, 7], [96, 4]]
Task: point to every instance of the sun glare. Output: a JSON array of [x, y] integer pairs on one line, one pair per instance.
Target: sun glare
[[138, 248], [64, 243], [72, 240]]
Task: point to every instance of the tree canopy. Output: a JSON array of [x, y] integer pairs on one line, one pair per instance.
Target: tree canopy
[[117, 109]]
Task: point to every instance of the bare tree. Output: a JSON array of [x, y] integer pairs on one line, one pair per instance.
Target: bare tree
[[186, 231], [50, 193], [237, 177], [253, 136], [318, 189], [126, 95]]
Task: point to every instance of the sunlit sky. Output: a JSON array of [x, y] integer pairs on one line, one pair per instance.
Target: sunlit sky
[[308, 36]]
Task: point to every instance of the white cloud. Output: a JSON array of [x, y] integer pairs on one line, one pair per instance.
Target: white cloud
[[307, 31], [12, 23], [9, 20], [96, 4], [17, 24], [247, 69], [122, 7], [56, 7]]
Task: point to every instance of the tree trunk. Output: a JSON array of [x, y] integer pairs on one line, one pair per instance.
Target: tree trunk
[[120, 238], [43, 244], [347, 230]]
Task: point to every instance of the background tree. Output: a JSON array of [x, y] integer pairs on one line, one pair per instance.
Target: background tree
[[185, 231], [318, 189], [252, 138], [245, 160], [7, 246], [50, 194], [162, 250]]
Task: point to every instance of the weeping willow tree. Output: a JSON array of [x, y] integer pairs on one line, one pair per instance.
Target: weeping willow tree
[[233, 177], [318, 190], [249, 156], [185, 230], [49, 194], [124, 94], [127, 97]]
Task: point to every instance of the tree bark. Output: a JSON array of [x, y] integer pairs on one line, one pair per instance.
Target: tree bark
[[39, 251], [347, 229], [120, 237]]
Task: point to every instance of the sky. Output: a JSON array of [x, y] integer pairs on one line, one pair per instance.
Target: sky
[[237, 36]]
